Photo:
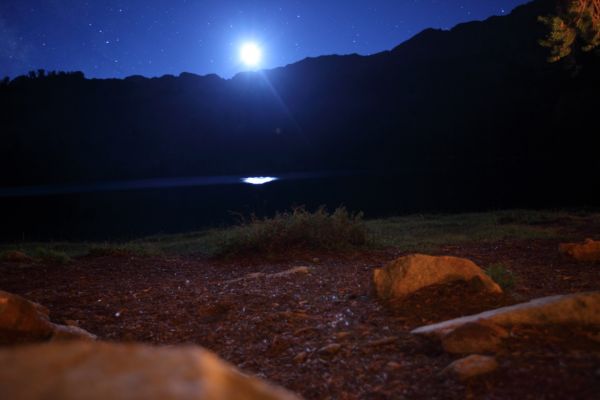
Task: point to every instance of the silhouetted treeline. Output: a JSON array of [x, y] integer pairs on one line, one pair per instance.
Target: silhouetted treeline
[[478, 105]]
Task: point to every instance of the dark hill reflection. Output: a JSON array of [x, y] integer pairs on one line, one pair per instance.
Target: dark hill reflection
[[466, 119]]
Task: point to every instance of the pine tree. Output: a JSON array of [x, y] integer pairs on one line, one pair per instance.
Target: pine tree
[[576, 24]]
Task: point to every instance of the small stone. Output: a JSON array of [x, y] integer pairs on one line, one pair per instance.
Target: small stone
[[393, 365], [300, 357], [382, 342], [64, 332], [471, 366], [330, 349], [295, 270], [342, 335]]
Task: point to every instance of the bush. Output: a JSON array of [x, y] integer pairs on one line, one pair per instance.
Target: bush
[[298, 229], [501, 275]]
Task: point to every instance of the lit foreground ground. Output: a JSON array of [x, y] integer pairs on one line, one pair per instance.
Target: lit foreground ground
[[169, 290]]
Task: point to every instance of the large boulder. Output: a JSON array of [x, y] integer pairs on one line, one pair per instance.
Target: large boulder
[[408, 274], [574, 309], [586, 251], [99, 371], [23, 321]]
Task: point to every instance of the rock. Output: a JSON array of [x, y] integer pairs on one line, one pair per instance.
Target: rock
[[330, 349], [23, 321], [15, 256], [588, 251], [282, 274], [98, 371], [300, 357], [67, 332], [292, 271], [471, 366], [393, 365], [474, 337], [408, 274], [341, 335], [382, 342], [579, 309]]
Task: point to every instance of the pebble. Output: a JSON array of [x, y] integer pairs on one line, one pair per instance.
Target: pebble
[[300, 357], [330, 349]]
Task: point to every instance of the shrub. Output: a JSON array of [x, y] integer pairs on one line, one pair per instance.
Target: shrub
[[297, 229], [501, 275]]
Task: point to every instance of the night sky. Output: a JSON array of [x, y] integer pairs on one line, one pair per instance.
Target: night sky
[[157, 37]]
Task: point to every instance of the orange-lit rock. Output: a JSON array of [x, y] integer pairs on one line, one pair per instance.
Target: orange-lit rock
[[586, 251], [408, 274], [578, 309], [16, 257], [474, 337], [100, 371], [471, 366], [23, 321]]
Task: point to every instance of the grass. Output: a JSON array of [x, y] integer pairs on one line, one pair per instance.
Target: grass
[[51, 256], [427, 232], [501, 275], [122, 250], [337, 230], [37, 254]]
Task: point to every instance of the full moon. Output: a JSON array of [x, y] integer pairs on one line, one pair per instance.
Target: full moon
[[251, 54]]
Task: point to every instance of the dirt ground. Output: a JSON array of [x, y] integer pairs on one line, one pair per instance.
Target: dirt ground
[[276, 328]]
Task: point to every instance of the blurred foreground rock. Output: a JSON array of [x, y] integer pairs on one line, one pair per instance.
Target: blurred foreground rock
[[408, 274], [100, 371], [586, 251], [23, 321]]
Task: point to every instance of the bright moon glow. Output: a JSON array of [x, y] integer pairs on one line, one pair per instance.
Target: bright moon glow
[[251, 54], [259, 180]]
